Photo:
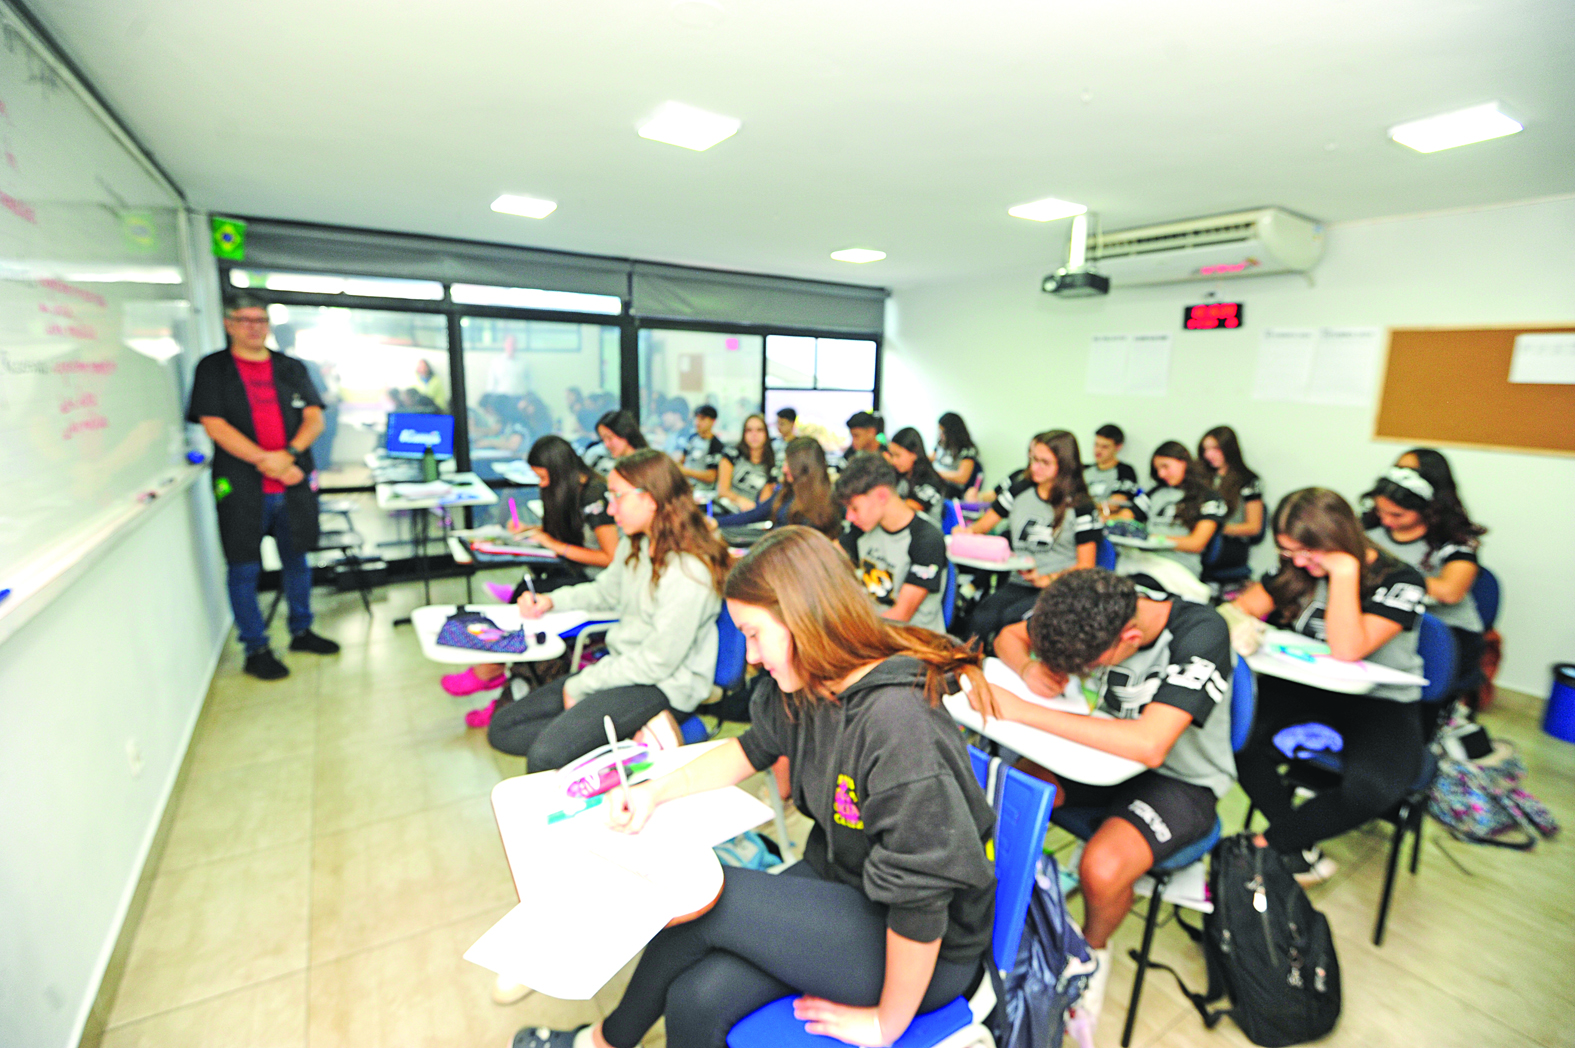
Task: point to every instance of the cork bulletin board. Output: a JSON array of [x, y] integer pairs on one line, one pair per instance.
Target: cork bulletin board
[[1451, 386]]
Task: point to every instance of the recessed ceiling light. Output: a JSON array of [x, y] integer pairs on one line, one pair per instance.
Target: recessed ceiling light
[[1460, 128], [681, 125], [524, 206], [858, 254], [1047, 210]]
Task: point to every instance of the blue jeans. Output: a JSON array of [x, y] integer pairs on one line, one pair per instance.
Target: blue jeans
[[242, 581]]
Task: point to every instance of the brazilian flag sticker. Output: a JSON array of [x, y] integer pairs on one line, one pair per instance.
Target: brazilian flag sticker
[[221, 488], [229, 239]]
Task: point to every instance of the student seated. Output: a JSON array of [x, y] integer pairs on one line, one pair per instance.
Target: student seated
[[701, 456], [803, 497], [900, 556], [1182, 508], [1162, 666], [1334, 585], [618, 434], [787, 424], [664, 583], [1419, 518], [576, 525], [1240, 489], [864, 432], [956, 458], [917, 481], [747, 474], [1051, 518], [889, 914], [1111, 482]]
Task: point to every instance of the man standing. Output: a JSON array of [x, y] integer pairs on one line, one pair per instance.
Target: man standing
[[432, 384], [262, 413]]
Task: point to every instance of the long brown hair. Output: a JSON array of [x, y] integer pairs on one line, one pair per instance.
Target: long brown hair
[[1319, 519], [768, 454], [1236, 475], [678, 526], [802, 579], [810, 488], [1196, 489], [1067, 490]]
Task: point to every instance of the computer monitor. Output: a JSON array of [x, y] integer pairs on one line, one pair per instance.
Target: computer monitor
[[410, 433]]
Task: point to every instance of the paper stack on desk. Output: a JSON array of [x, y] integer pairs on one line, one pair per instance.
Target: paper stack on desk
[[432, 489]]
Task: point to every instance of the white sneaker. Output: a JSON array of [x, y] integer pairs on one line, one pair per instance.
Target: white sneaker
[[1310, 867], [1093, 998]]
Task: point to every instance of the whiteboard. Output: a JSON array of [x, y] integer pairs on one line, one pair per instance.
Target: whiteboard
[[94, 312]]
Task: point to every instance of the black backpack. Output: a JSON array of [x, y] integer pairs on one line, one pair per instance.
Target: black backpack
[[1267, 947]]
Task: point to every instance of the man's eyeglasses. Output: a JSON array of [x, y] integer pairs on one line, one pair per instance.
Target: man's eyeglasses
[[248, 320]]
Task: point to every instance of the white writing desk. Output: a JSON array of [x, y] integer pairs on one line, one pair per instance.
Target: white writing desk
[[1149, 543], [1015, 562], [428, 622], [1321, 670], [465, 489], [1073, 760]]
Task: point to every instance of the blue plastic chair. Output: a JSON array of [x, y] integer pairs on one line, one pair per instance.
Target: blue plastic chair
[[951, 515], [731, 663], [1211, 556], [1083, 822], [1023, 813], [1485, 591], [1105, 554], [1436, 644]]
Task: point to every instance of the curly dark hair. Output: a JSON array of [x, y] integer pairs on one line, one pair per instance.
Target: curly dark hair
[[1079, 616]]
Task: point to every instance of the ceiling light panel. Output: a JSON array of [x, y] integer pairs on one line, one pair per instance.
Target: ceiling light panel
[[681, 125], [1460, 128], [1047, 210], [858, 255], [524, 206]]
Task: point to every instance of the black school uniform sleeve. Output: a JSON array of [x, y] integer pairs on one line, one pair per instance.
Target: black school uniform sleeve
[[849, 540], [1140, 506], [207, 393], [1194, 679], [770, 730], [1126, 480], [1086, 525], [1252, 491], [1213, 509], [1398, 596], [1002, 506], [926, 557], [730, 452], [1451, 551], [594, 506]]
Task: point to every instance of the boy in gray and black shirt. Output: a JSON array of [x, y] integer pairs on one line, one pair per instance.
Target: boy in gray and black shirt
[[900, 556]]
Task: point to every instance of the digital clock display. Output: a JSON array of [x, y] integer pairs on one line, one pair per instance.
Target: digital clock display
[[1210, 315]]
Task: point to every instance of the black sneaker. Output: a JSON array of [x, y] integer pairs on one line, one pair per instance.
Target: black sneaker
[[306, 640], [264, 665], [1309, 867]]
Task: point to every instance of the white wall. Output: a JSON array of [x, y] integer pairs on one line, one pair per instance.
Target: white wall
[[1012, 361]]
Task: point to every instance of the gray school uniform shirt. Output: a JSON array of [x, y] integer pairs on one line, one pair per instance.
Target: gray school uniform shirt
[[1120, 479], [1396, 596], [887, 560], [927, 495], [1032, 528], [749, 477], [1189, 667], [1162, 505], [1461, 616]]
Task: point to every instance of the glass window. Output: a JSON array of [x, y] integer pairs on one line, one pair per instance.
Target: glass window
[[535, 298], [527, 378], [680, 370], [822, 413], [790, 361], [331, 284], [802, 362], [366, 363]]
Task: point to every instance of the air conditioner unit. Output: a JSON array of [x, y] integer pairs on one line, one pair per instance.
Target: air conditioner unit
[[1243, 244]]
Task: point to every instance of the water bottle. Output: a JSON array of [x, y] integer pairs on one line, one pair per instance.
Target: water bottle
[[429, 470]]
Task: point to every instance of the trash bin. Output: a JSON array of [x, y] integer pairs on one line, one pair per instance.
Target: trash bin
[[1559, 720]]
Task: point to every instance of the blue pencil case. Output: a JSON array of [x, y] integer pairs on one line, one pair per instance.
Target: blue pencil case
[[475, 631]]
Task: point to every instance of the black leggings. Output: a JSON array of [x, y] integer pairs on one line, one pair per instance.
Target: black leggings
[[1381, 755], [767, 937], [548, 736], [1008, 604]]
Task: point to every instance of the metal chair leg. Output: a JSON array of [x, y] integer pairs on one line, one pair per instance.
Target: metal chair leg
[[1417, 813], [1389, 880], [1149, 924]]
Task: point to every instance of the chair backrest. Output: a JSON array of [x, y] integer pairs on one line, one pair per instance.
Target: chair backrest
[[1485, 591], [730, 658], [949, 595], [951, 515], [1243, 704], [1211, 552], [1105, 554], [1022, 817], [1436, 644]]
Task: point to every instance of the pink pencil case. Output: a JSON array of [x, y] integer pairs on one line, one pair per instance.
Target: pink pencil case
[[981, 547]]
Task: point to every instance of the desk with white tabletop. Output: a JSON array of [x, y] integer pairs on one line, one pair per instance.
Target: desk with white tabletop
[[1288, 655], [463, 489], [1015, 562]]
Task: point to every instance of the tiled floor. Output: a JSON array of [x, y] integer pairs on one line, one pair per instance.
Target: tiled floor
[[334, 853]]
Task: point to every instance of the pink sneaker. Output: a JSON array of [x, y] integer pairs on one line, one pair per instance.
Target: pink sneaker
[[481, 716], [501, 592], [468, 683]]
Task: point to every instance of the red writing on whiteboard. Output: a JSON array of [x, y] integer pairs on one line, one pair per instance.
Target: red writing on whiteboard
[[59, 309], [18, 208], [71, 289], [87, 331], [85, 367], [86, 400], [83, 425]]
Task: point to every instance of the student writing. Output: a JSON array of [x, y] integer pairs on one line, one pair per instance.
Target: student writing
[[1183, 508], [900, 557], [803, 497], [619, 434], [703, 453], [956, 458], [889, 914], [664, 583], [917, 481], [746, 475], [1335, 585]]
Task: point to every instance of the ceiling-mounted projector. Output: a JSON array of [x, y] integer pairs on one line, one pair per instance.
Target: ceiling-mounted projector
[[1076, 285], [1073, 280]]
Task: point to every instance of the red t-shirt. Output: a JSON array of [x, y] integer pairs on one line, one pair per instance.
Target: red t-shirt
[[267, 419]]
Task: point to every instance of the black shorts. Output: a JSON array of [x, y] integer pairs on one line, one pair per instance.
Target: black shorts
[[1169, 813]]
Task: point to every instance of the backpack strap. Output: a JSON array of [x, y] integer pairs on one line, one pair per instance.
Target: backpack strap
[[1201, 1001]]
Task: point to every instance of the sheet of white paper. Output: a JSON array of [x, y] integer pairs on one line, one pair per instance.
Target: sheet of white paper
[[1345, 366], [1543, 358], [1001, 675], [570, 952], [1107, 365], [1148, 365], [1284, 362], [1187, 887]]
